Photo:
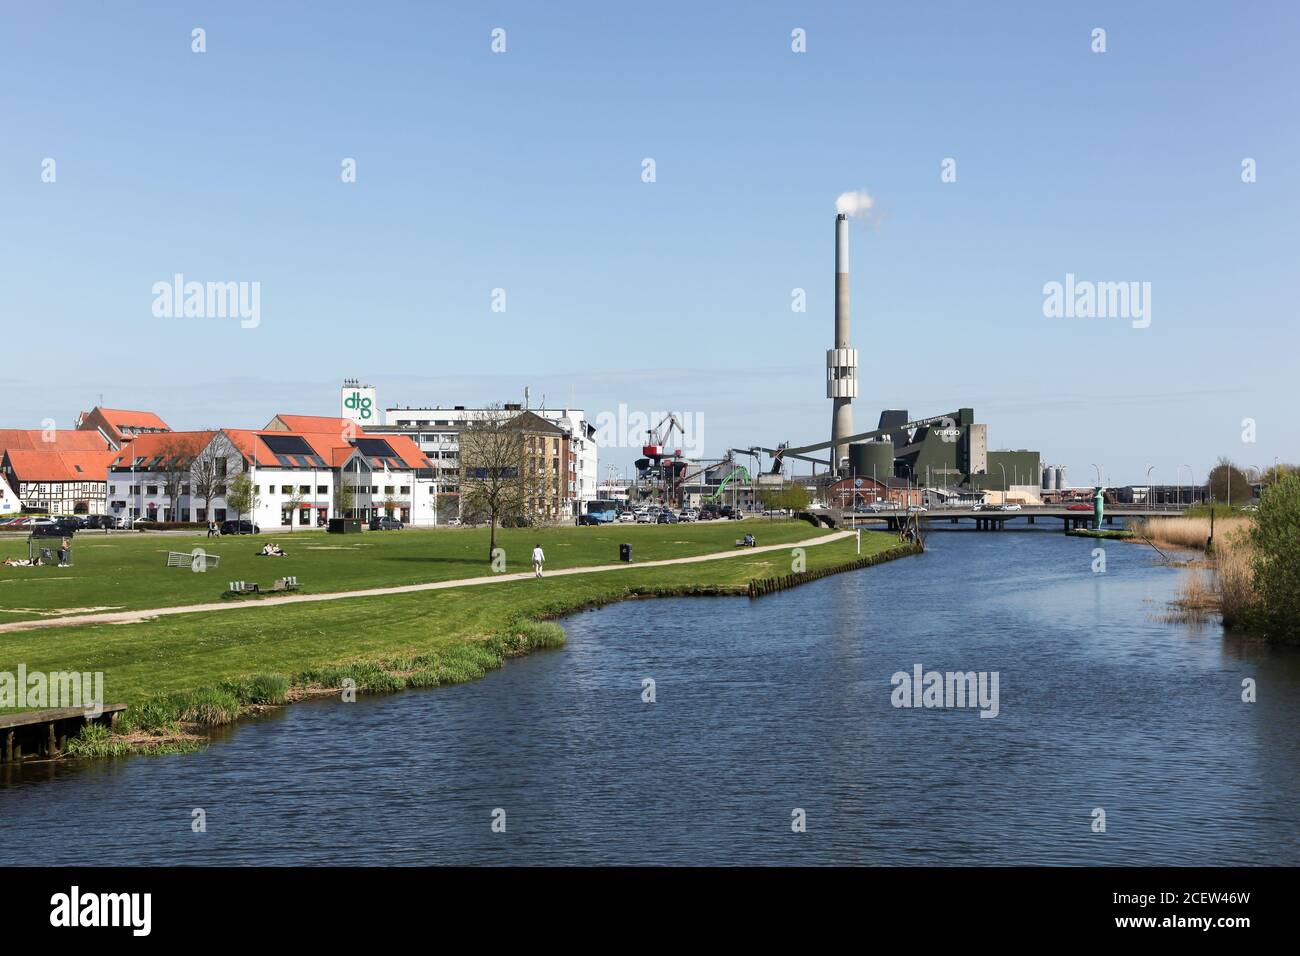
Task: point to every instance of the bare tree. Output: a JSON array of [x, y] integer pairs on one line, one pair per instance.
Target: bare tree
[[209, 472], [177, 453], [499, 478], [293, 502]]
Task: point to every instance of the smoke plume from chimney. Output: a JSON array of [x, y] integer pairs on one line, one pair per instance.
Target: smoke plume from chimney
[[855, 203]]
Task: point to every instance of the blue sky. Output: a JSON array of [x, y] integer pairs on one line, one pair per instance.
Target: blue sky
[[522, 171]]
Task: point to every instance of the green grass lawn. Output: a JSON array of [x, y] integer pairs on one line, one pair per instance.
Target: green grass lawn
[[123, 571], [184, 652]]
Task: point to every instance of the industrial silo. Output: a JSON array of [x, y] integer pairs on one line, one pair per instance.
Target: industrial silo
[[872, 459], [1060, 478], [1049, 478]]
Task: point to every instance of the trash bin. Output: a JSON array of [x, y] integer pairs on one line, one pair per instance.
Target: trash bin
[[625, 552]]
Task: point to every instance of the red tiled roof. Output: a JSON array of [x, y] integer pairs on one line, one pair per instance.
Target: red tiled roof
[[59, 465], [315, 423], [126, 418], [164, 443], [34, 440], [329, 444]]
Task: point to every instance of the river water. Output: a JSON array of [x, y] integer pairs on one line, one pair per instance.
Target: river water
[[766, 712]]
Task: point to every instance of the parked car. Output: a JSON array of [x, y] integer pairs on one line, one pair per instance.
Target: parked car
[[667, 517], [1012, 508], [643, 517], [625, 517], [1078, 507], [383, 523], [239, 527], [917, 509]]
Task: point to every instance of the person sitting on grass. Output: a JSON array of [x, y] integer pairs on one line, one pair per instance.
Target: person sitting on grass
[[22, 562], [271, 550]]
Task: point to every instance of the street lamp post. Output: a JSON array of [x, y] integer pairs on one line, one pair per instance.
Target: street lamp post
[[1149, 469]]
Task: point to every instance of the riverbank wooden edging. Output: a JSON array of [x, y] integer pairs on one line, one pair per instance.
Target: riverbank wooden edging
[[45, 733], [761, 586]]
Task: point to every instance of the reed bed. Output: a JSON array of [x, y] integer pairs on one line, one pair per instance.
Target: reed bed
[[1189, 532], [1229, 589]]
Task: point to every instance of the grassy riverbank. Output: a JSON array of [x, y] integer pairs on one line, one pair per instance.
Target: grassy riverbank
[[183, 672], [125, 571], [1254, 561]]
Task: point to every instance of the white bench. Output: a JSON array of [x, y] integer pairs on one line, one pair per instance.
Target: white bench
[[182, 559]]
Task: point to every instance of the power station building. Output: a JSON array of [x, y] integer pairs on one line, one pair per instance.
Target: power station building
[[952, 453]]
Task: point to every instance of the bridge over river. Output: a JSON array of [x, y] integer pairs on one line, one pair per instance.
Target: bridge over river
[[987, 517]]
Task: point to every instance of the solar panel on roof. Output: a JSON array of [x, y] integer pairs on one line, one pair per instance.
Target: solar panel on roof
[[374, 447], [287, 444]]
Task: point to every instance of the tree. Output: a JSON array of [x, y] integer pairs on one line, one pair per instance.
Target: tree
[[1229, 484], [792, 497], [175, 470], [207, 477], [292, 502], [1276, 565], [241, 495], [345, 498], [498, 477], [1275, 473]]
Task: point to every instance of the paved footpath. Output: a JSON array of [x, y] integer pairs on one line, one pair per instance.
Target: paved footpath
[[128, 617]]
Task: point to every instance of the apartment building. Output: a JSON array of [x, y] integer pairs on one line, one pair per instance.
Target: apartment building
[[58, 482], [117, 426], [436, 430], [298, 476]]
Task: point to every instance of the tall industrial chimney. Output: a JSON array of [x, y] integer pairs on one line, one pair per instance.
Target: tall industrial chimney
[[842, 360]]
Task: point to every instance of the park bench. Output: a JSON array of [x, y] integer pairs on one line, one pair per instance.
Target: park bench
[[252, 587], [182, 559]]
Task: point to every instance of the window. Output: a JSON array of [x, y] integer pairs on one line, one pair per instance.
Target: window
[[322, 489], [112, 489], [153, 490], [406, 490], [286, 489], [304, 489], [221, 467], [388, 489], [185, 489]]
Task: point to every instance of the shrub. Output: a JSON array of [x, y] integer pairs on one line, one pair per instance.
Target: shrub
[[1276, 563], [208, 707], [95, 740]]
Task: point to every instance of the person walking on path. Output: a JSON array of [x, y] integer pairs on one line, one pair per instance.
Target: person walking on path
[[212, 528], [539, 558]]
